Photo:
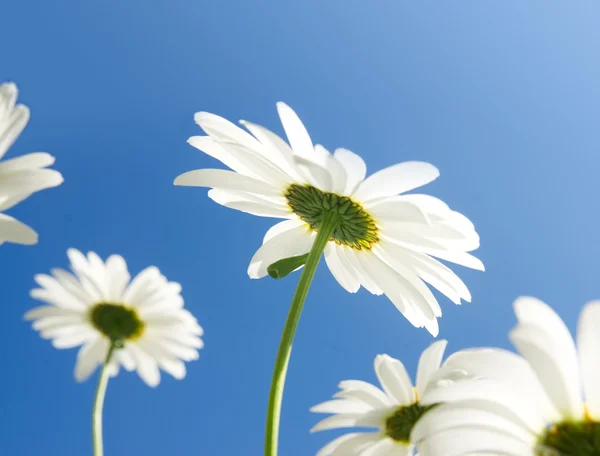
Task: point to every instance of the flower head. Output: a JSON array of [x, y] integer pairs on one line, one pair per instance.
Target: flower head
[[383, 240], [98, 305], [22, 176], [543, 403], [393, 411]]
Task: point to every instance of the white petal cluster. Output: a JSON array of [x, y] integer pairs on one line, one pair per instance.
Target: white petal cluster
[[411, 230], [22, 176], [359, 404], [500, 403], [166, 334]]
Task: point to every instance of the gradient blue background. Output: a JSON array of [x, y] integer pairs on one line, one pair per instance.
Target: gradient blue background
[[502, 96]]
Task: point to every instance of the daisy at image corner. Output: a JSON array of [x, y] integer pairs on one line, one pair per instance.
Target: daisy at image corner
[[381, 238], [22, 176], [545, 402], [392, 411], [99, 305]]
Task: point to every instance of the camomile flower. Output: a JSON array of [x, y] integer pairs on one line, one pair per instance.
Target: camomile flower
[[100, 309], [22, 176], [391, 411], [543, 403], [379, 238]]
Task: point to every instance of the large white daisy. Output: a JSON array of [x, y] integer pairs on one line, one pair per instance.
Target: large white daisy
[[22, 176], [393, 411], [143, 319], [383, 240], [543, 403]]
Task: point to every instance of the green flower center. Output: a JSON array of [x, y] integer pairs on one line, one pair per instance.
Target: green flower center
[[356, 228], [117, 322], [399, 425], [570, 438]]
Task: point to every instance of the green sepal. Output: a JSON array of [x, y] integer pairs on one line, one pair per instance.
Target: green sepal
[[281, 268]]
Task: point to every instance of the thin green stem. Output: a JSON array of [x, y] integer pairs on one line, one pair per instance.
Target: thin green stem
[[99, 402], [330, 221]]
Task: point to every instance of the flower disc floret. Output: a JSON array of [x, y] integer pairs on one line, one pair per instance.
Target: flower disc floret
[[117, 322], [356, 228]]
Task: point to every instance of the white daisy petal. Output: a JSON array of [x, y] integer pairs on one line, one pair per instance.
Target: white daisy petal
[[227, 180], [12, 230], [316, 175], [249, 203], [478, 441], [394, 379], [11, 127], [429, 364], [364, 392], [36, 160], [354, 167], [277, 150], [588, 341], [405, 297], [89, 357], [396, 179], [341, 406], [561, 384], [282, 227], [340, 268], [296, 132], [349, 444], [397, 209], [293, 242]]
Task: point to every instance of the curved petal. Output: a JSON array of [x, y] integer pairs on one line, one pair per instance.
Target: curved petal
[[296, 241], [404, 296], [251, 204], [479, 440], [89, 357], [340, 268], [296, 132], [276, 149], [12, 126], [35, 160], [282, 227], [545, 357], [394, 379], [588, 341], [396, 209], [349, 444], [229, 180], [396, 179], [12, 230], [354, 167], [429, 364]]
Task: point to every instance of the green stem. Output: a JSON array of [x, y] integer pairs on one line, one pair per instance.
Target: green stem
[[98, 404], [330, 221]]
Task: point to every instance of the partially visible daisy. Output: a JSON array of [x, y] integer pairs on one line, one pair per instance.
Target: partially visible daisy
[[392, 412], [22, 176], [99, 306], [379, 238], [545, 403]]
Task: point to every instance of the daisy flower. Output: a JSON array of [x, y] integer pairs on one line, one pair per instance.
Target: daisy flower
[[392, 411], [22, 176], [543, 403], [100, 308], [381, 239]]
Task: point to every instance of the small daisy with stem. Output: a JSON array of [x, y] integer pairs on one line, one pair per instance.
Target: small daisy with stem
[[139, 324]]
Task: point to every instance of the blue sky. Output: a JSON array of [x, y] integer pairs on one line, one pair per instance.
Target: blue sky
[[503, 97]]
